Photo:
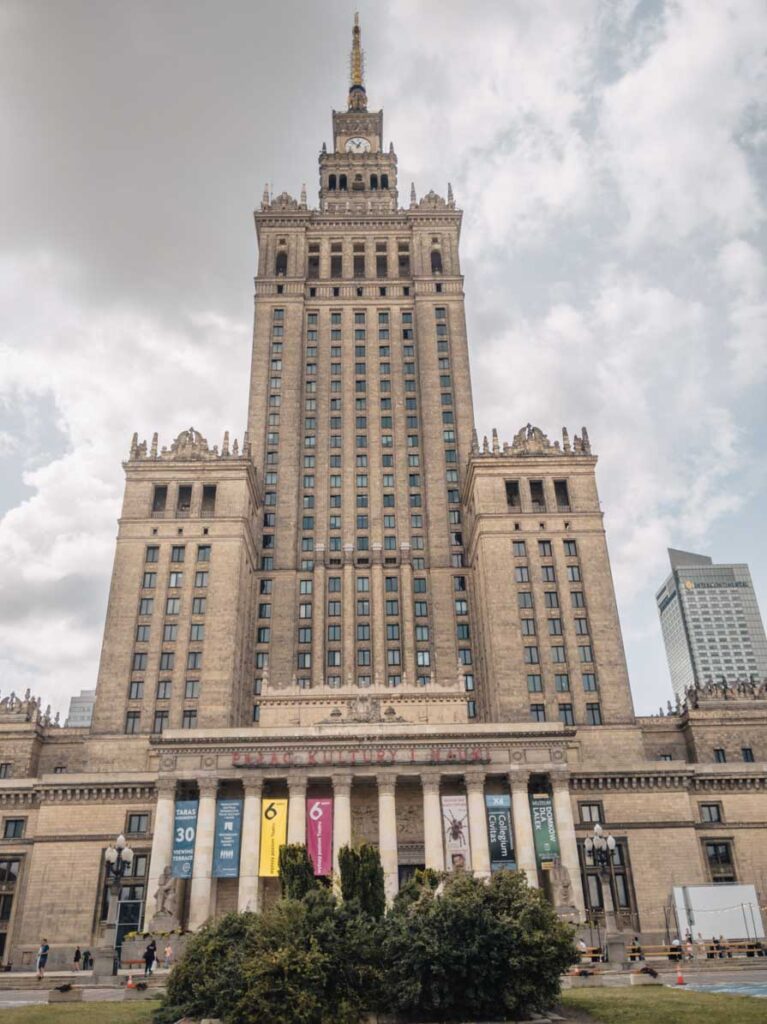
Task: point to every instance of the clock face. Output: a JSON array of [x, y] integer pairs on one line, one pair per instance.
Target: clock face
[[357, 145]]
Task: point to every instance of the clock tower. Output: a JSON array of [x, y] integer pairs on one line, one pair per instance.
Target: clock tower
[[358, 176]]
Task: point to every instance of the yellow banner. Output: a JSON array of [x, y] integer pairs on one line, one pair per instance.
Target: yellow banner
[[274, 834]]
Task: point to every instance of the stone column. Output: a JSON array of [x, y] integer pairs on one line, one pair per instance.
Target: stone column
[[433, 848], [297, 809], [408, 625], [387, 834], [199, 900], [342, 815], [568, 847], [480, 849], [318, 625], [162, 843], [250, 849], [349, 664], [378, 620], [524, 844]]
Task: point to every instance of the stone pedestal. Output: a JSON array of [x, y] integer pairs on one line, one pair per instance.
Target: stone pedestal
[[163, 922]]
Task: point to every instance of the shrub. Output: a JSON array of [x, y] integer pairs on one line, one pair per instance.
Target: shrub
[[296, 871], [362, 878], [470, 949]]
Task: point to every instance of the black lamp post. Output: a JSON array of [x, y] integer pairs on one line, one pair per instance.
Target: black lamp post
[[118, 861], [600, 847]]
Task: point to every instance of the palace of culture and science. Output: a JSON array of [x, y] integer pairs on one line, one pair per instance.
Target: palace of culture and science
[[363, 623]]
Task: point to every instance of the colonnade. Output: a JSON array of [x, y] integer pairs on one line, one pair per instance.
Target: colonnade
[[200, 898]]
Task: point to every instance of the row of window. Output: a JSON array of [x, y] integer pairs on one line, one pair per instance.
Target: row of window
[[160, 721], [164, 689], [184, 495], [532, 655], [566, 715], [545, 549], [537, 495], [746, 753], [562, 682], [548, 574]]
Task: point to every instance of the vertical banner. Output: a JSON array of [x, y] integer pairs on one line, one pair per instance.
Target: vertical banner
[[274, 834], [544, 829], [184, 835], [499, 833], [319, 834], [226, 851], [455, 822]]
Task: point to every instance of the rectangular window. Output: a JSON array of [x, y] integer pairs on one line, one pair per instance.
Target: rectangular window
[[164, 689], [531, 656], [720, 862], [139, 662], [547, 574], [591, 814], [562, 496], [536, 495], [512, 494], [720, 755], [159, 498], [538, 712], [136, 689], [558, 655], [593, 714], [566, 714], [522, 574], [534, 683], [132, 722], [573, 574], [201, 579], [544, 548], [192, 689], [142, 634], [160, 723], [177, 553], [571, 548], [194, 659], [176, 580], [189, 718], [525, 599], [576, 599], [711, 812], [198, 605], [138, 824], [589, 681], [152, 553], [203, 553], [197, 631], [6, 769], [13, 828], [585, 653], [173, 606], [149, 581], [169, 632], [562, 682], [167, 659], [747, 753]]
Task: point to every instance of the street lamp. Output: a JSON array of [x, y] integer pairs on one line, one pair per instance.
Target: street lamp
[[118, 860], [600, 848]]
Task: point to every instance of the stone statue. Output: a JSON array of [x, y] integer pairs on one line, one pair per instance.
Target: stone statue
[[166, 899], [562, 894]]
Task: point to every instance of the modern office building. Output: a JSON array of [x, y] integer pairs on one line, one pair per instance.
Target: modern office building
[[711, 624], [81, 710], [363, 618]]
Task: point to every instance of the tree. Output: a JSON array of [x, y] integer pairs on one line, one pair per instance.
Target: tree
[[362, 878], [471, 949], [297, 876]]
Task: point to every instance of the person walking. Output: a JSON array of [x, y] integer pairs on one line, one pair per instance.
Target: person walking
[[77, 959], [149, 955], [168, 956], [42, 958]]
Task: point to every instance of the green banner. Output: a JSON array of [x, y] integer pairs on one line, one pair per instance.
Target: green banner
[[544, 829]]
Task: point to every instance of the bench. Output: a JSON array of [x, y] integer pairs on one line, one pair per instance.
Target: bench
[[591, 955]]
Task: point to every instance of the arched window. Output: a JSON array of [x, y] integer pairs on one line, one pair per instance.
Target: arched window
[[342, 182], [436, 261], [332, 183], [373, 182], [281, 264]]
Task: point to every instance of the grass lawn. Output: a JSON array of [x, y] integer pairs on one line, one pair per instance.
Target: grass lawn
[[663, 1006], [83, 1013]]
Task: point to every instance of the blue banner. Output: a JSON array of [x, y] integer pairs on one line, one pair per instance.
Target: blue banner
[[499, 833], [226, 851], [184, 835]]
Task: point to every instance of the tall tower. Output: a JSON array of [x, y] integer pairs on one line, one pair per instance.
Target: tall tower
[[361, 415], [711, 624]]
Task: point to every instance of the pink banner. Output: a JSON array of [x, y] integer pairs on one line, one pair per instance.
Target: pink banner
[[319, 834]]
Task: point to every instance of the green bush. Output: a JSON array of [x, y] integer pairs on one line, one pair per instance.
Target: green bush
[[451, 948], [362, 878], [297, 876], [469, 949]]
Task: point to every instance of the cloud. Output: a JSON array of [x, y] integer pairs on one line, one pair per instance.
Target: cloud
[[103, 373]]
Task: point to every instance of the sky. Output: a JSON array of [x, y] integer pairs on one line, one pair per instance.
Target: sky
[[609, 158]]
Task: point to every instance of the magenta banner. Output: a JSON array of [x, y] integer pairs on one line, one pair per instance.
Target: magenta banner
[[319, 834]]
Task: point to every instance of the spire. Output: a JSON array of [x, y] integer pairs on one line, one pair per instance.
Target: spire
[[357, 96]]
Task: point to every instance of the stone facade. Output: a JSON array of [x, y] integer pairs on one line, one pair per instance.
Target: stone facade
[[361, 602]]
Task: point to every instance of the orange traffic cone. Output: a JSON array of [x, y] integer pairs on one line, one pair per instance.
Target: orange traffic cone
[[680, 977], [129, 983]]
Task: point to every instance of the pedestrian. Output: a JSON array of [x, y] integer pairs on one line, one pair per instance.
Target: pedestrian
[[168, 956], [149, 955], [76, 959], [676, 949], [42, 958], [688, 949], [635, 949], [87, 960]]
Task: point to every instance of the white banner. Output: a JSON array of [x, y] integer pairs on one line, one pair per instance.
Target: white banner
[[455, 823]]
